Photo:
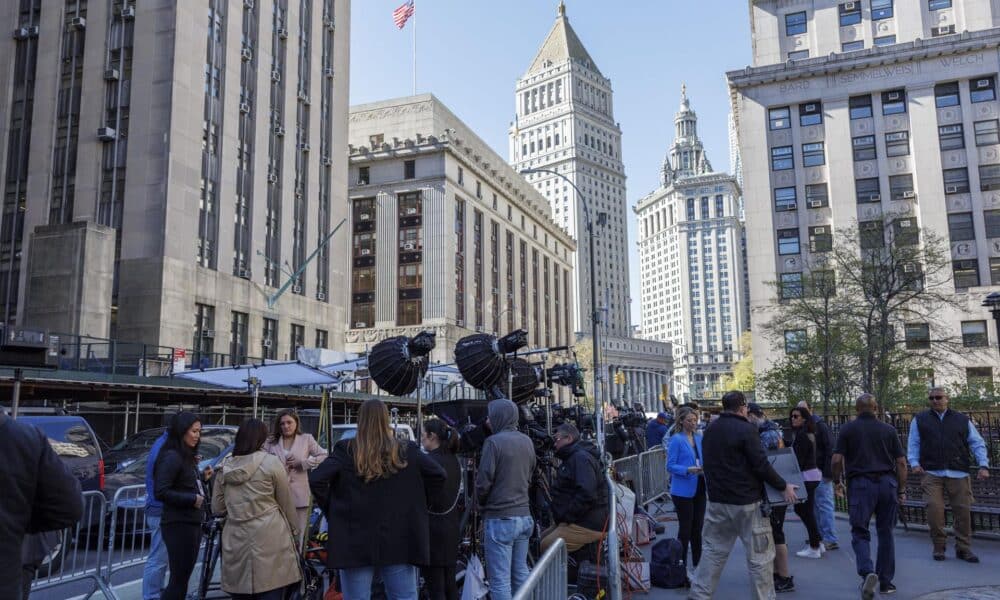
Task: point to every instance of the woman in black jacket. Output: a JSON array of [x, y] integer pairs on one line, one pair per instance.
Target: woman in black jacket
[[441, 443], [373, 490], [177, 485], [803, 442]]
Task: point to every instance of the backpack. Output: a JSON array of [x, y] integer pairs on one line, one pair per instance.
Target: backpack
[[667, 568]]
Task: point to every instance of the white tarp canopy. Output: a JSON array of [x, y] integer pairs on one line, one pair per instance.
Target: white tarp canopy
[[350, 366], [272, 374]]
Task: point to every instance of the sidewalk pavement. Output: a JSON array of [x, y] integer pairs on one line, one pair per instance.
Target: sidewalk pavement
[[834, 577]]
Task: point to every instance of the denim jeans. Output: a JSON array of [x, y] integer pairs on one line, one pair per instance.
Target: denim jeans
[[506, 547], [866, 497], [400, 582], [155, 571], [824, 511]]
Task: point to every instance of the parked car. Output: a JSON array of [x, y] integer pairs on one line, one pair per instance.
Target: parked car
[[131, 448], [216, 444], [350, 430]]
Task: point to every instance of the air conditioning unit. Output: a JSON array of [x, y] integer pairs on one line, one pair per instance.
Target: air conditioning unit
[[329, 24], [909, 195], [894, 96], [112, 74], [905, 223], [360, 325], [365, 251], [411, 211], [815, 204], [874, 197], [951, 189], [246, 54], [248, 4], [409, 246], [460, 322], [208, 333], [982, 83], [275, 75], [78, 23], [943, 30], [321, 296], [272, 178], [328, 72], [819, 230], [282, 33], [244, 107], [325, 161], [128, 13], [298, 193], [909, 268], [243, 273], [850, 5], [23, 33], [279, 130], [296, 289], [107, 134], [266, 343], [365, 216], [304, 147]]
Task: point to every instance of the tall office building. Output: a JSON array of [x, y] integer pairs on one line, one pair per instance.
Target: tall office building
[[565, 122], [860, 112], [169, 166], [691, 263]]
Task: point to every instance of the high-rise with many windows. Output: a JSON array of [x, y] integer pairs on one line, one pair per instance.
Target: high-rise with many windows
[[855, 113], [691, 261], [168, 167]]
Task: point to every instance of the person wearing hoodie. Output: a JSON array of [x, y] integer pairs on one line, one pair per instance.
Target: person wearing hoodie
[[259, 561], [505, 469], [579, 494]]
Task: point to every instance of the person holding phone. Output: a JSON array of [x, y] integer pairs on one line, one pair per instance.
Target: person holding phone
[[687, 482], [299, 453]]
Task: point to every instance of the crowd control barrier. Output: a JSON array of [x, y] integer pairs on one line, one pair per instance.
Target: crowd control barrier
[[645, 473], [547, 580], [128, 538]]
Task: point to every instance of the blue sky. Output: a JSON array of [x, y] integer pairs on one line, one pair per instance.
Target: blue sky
[[470, 54]]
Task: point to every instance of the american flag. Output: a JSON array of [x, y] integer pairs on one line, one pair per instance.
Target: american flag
[[401, 14]]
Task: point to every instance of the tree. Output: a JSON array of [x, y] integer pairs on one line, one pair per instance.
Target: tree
[[742, 377], [583, 350]]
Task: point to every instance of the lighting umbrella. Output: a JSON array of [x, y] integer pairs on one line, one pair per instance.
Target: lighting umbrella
[[398, 363]]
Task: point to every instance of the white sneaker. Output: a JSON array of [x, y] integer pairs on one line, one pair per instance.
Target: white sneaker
[[822, 548], [809, 552]]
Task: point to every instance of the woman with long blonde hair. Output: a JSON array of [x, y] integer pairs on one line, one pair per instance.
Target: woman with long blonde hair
[[373, 491]]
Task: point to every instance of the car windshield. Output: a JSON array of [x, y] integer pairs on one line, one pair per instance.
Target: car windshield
[[214, 441], [141, 440], [68, 437]]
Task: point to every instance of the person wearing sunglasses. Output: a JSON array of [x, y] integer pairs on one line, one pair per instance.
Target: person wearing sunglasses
[[941, 445], [803, 442]]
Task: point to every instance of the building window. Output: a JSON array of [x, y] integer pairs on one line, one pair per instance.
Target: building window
[[781, 158], [269, 339], [810, 114], [992, 223], [204, 335], [951, 137], [461, 176], [897, 143], [322, 338], [795, 23], [779, 118], [784, 199], [798, 55], [894, 101], [864, 148], [965, 273], [850, 13], [477, 267], [995, 271], [867, 190], [885, 40], [943, 30], [960, 227], [983, 89], [460, 262], [956, 181], [881, 9], [409, 169], [901, 187], [974, 334], [820, 239], [979, 376], [946, 94], [918, 336], [905, 231], [872, 234], [860, 107], [239, 329], [791, 286], [788, 241], [479, 190], [364, 175], [795, 341], [987, 132], [989, 177], [852, 46], [938, 4], [812, 154], [817, 195], [296, 340]]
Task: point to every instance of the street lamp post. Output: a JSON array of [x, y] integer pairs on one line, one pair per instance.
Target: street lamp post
[[992, 302]]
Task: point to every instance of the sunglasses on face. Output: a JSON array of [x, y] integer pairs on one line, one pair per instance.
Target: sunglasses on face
[[935, 397]]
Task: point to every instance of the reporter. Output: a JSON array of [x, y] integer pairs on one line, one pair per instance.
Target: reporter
[[441, 442], [299, 453], [687, 482]]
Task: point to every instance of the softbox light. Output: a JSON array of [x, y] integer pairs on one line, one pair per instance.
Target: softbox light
[[398, 363]]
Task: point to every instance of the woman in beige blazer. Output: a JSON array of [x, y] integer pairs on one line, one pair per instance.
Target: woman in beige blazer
[[259, 560], [300, 454]]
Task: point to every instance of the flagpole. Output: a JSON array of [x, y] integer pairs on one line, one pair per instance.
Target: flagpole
[[414, 19]]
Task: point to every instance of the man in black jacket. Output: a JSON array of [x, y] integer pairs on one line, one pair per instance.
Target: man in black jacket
[[40, 494], [736, 469], [579, 493]]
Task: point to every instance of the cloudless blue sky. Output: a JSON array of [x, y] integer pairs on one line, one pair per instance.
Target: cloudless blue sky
[[470, 53]]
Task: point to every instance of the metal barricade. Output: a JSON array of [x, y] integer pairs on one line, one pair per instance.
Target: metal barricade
[[626, 471], [69, 555], [547, 580], [653, 474], [128, 538]]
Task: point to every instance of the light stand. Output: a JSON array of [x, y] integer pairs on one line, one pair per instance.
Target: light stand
[[992, 302]]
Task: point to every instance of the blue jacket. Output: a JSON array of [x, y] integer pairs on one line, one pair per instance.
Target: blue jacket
[[154, 508], [680, 456], [655, 432]]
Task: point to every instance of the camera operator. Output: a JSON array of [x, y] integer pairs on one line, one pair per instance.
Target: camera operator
[[657, 429], [579, 496]]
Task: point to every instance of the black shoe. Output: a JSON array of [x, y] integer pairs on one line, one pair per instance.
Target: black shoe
[[868, 586], [783, 584], [939, 555], [886, 588]]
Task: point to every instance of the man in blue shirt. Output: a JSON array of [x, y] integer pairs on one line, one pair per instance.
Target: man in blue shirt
[[156, 564], [941, 444], [656, 429]]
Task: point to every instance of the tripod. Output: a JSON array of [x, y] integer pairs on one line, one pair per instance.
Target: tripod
[[210, 555]]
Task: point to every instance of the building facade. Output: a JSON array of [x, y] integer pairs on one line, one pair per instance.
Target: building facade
[[691, 266], [565, 122], [193, 154], [858, 113], [446, 237]]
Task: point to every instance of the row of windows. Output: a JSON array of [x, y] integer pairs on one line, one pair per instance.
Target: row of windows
[[849, 13], [204, 334]]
